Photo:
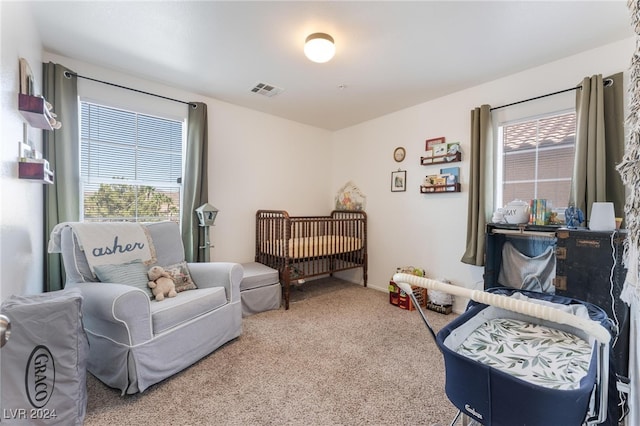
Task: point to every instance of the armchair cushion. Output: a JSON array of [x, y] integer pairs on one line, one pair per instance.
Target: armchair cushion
[[186, 306], [181, 276], [132, 273]]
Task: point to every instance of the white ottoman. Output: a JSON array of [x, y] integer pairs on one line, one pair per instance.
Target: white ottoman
[[260, 289]]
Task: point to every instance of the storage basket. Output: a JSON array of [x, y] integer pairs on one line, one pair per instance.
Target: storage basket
[[399, 298]]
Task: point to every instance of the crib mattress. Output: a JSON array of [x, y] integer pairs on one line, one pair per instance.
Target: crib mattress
[[316, 246], [534, 353]]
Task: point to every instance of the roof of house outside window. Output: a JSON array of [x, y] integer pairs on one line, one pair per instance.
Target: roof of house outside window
[[553, 131]]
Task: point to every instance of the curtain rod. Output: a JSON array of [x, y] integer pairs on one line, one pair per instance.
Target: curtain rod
[[68, 74], [607, 82]]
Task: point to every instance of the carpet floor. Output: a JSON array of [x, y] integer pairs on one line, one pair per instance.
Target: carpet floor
[[341, 355]]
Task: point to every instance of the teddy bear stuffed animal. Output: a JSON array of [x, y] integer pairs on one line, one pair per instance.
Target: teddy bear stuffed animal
[[160, 283]]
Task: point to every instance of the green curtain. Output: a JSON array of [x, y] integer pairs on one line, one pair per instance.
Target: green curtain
[[481, 184], [195, 186], [599, 144], [62, 149]]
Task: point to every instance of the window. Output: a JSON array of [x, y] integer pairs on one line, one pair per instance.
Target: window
[[131, 165], [536, 159]]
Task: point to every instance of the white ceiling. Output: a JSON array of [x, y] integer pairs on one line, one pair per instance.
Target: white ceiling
[[390, 55]]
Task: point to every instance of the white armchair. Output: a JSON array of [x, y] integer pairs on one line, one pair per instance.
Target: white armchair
[[135, 341]]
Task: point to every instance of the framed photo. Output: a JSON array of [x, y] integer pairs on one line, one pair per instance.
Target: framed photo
[[429, 143], [399, 181]]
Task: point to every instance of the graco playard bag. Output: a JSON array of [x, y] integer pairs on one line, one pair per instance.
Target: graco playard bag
[[43, 364]]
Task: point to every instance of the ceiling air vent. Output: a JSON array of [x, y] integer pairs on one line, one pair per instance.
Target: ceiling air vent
[[266, 89]]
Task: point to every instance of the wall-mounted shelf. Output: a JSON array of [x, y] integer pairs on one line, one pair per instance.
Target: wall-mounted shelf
[[34, 110], [38, 172], [440, 189], [441, 159]]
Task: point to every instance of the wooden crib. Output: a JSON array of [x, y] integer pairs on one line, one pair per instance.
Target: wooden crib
[[300, 247]]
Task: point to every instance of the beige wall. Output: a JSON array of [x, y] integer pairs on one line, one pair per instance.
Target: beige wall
[[261, 161], [21, 247], [429, 230], [256, 161]]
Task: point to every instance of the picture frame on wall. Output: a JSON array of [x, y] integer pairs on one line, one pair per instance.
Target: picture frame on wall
[[429, 143], [399, 181]]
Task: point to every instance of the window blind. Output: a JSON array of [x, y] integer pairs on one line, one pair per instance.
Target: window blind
[[131, 164]]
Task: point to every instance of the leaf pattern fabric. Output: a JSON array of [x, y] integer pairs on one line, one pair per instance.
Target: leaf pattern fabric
[[535, 353]]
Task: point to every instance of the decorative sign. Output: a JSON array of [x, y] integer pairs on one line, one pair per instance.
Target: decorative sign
[[349, 197]]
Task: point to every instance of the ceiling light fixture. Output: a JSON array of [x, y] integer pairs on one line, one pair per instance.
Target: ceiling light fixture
[[319, 47]]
